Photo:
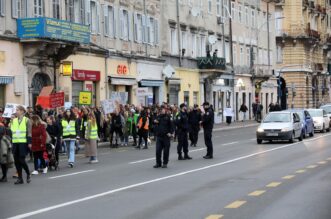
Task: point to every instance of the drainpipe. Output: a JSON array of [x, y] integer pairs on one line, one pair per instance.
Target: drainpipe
[[106, 74], [178, 35]]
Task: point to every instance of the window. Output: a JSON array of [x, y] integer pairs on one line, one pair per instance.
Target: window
[[247, 16], [94, 17], [79, 11], [184, 40], [69, 10], [248, 55], [138, 28], [209, 6], [109, 21], [151, 30], [203, 45], [173, 41], [265, 57], [38, 8], [240, 17], [227, 53], [56, 9], [218, 7], [279, 54], [253, 18], [198, 48], [18, 8], [193, 45], [233, 11], [190, 3], [195, 97], [2, 7], [242, 60], [187, 98], [234, 54], [124, 19]]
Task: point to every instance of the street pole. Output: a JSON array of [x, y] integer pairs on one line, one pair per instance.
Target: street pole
[[268, 33], [231, 52], [145, 14], [223, 31]]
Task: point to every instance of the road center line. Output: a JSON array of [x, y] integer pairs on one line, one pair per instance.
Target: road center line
[[70, 174], [230, 143], [42, 210]]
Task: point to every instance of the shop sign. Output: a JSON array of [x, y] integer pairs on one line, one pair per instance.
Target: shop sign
[[211, 63], [85, 75], [85, 98], [143, 91], [122, 70], [89, 87], [67, 68]]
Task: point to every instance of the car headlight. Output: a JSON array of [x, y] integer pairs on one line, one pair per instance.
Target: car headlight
[[260, 130], [286, 129]]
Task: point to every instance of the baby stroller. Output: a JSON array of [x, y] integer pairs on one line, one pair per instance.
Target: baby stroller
[[52, 163]]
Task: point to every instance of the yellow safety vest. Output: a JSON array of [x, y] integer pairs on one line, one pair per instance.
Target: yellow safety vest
[[68, 128], [93, 132], [19, 130]]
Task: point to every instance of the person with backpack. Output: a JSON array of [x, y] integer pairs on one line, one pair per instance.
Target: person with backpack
[[6, 156], [143, 127]]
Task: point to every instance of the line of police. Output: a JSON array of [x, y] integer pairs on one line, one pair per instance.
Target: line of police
[[164, 130]]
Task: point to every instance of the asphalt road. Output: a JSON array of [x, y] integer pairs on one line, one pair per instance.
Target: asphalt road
[[244, 180]]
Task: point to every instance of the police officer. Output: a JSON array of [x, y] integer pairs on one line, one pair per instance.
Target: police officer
[[208, 124], [164, 130], [182, 131]]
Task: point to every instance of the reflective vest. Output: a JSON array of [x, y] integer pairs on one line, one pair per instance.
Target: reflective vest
[[93, 131], [140, 123], [68, 128], [19, 130]]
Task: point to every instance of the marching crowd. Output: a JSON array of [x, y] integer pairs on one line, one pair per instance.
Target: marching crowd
[[44, 134]]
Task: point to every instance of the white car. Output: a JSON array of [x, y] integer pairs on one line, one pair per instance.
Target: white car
[[321, 119], [280, 126]]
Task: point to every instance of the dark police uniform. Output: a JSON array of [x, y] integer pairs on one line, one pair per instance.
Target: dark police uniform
[[182, 131], [163, 127], [208, 124]]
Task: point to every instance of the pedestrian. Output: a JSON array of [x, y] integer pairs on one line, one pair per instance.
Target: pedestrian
[[38, 144], [271, 107], [116, 128], [194, 118], [132, 130], [126, 128], [69, 129], [182, 132], [53, 129], [259, 109], [228, 112], [208, 124], [254, 106], [243, 109], [21, 132], [143, 127], [6, 156], [164, 130], [91, 136]]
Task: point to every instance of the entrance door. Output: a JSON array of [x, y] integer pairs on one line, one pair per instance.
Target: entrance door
[[2, 95], [237, 103], [266, 103], [39, 81], [77, 86]]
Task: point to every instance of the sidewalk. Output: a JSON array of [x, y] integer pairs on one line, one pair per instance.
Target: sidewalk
[[217, 127]]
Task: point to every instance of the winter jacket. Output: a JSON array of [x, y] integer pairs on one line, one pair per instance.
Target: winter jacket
[[6, 155], [38, 138]]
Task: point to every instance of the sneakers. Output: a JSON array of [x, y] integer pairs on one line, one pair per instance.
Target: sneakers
[[164, 166], [94, 161], [45, 170], [19, 181], [71, 165], [28, 178], [157, 166], [186, 157], [35, 172], [3, 179]]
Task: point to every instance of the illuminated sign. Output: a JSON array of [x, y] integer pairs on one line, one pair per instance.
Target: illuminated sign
[[67, 68], [43, 27], [122, 70]]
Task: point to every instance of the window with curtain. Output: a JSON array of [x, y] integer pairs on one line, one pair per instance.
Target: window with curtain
[[79, 12], [210, 6], [151, 31], [173, 41], [109, 21], [56, 8], [38, 8], [138, 28], [218, 7], [69, 5], [124, 24]]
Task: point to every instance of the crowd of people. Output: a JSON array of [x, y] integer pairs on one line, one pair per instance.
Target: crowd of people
[[46, 133]]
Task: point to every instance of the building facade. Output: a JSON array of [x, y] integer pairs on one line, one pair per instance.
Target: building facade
[[303, 52]]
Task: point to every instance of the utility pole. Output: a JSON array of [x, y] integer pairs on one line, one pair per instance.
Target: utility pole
[[178, 35], [231, 53]]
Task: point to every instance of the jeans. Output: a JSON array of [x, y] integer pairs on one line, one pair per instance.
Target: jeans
[[39, 155], [70, 145], [244, 116]]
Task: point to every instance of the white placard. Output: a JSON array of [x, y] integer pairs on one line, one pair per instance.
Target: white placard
[[228, 112], [107, 106], [10, 109]]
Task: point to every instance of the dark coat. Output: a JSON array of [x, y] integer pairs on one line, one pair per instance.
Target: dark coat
[[194, 118], [208, 120]]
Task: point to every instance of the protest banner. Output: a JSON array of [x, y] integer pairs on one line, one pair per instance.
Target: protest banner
[[85, 98]]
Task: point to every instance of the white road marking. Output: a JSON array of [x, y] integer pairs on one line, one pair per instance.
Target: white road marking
[[70, 174], [42, 210], [230, 143], [140, 161], [252, 139], [200, 149]]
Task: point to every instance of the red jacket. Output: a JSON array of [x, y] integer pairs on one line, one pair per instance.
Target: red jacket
[[38, 138]]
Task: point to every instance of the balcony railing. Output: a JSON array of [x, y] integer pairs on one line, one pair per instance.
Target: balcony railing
[[211, 63]]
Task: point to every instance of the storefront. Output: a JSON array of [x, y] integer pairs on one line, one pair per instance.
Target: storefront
[[4, 81], [149, 75], [243, 94], [122, 78], [84, 80]]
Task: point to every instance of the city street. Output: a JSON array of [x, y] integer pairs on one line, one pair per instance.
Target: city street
[[244, 180]]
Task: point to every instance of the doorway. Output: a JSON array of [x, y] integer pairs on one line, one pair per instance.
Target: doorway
[[39, 81]]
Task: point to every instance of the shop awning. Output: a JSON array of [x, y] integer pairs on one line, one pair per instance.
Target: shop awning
[[122, 81], [174, 81], [6, 79], [151, 83]]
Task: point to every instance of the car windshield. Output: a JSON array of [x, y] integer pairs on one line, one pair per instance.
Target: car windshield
[[278, 117], [316, 113], [327, 109]]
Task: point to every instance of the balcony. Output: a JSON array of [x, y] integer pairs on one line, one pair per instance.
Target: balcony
[[211, 63], [313, 34], [53, 29]]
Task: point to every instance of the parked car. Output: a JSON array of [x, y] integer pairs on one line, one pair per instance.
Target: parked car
[[280, 126], [327, 108], [321, 120], [306, 120]]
